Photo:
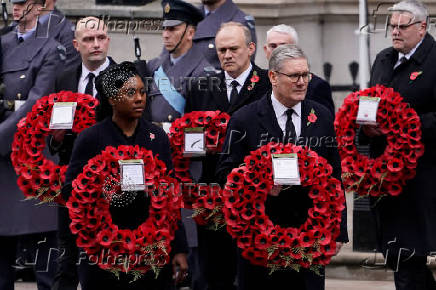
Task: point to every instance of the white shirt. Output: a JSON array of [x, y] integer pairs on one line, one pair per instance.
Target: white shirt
[[408, 55], [240, 79], [83, 81], [280, 111]]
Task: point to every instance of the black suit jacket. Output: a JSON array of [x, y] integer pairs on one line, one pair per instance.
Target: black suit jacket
[[256, 125], [68, 81], [320, 91], [412, 228], [213, 96]]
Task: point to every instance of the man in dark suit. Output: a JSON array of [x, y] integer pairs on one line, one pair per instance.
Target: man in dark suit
[[91, 41], [284, 112], [30, 66], [239, 83], [318, 90], [217, 12], [405, 223]]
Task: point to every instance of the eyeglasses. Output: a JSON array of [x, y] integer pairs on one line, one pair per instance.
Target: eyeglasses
[[306, 77], [402, 27]]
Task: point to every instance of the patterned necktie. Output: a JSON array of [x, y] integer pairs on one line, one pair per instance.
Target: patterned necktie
[[290, 134], [89, 90]]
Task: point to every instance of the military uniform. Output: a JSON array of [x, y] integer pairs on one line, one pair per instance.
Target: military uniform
[[28, 71], [206, 30], [56, 25], [181, 76], [170, 82]]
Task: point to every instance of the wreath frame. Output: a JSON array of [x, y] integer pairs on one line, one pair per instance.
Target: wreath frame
[[262, 243], [205, 201], [38, 177], [387, 174], [118, 249]]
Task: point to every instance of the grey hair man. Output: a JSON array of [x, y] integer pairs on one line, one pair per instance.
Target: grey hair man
[[318, 89], [408, 67], [280, 116]]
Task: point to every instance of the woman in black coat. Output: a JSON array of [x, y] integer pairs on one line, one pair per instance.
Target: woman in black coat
[[123, 101]]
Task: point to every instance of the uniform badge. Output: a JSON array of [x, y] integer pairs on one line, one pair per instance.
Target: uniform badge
[[211, 45], [167, 8]]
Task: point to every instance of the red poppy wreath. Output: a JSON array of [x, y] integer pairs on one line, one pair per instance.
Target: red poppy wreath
[[263, 243], [110, 247], [388, 173], [206, 200], [39, 177]]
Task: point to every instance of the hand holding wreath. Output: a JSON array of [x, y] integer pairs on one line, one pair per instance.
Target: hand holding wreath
[[39, 177], [265, 244], [388, 173]]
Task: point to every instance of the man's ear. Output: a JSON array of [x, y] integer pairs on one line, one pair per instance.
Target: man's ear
[[251, 48], [76, 45], [272, 77]]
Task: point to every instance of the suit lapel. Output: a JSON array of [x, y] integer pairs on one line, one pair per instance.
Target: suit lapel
[[267, 118], [220, 96], [305, 111]]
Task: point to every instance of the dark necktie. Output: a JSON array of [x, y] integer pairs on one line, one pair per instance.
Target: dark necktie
[[290, 134], [20, 39], [234, 93], [402, 60], [89, 90]]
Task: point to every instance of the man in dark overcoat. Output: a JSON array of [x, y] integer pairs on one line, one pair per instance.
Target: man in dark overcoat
[[239, 83], [284, 112], [405, 223]]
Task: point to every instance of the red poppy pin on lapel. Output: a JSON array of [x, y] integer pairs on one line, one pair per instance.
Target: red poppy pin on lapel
[[311, 118], [414, 75], [254, 79]]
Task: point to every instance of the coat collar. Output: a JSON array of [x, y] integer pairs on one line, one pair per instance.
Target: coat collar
[[20, 54], [423, 50], [188, 63]]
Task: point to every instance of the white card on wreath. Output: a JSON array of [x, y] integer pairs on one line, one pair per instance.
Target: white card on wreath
[[62, 115], [194, 142], [166, 126], [367, 112], [285, 169], [132, 175], [18, 104]]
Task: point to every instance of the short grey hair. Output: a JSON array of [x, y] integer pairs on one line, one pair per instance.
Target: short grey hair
[[244, 28], [283, 53], [414, 7], [285, 29]]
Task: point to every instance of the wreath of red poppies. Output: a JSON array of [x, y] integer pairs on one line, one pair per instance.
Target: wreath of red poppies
[[39, 177], [388, 173], [205, 200], [265, 244], [123, 250]]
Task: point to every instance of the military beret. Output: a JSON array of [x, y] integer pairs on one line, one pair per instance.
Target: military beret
[[175, 12]]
